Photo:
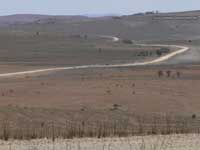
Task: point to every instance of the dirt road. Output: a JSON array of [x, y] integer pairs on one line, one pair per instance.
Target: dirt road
[[181, 49]]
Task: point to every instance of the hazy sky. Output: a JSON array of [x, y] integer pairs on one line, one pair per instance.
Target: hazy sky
[[74, 7]]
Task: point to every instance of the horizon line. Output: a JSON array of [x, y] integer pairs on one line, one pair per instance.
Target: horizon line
[[97, 14]]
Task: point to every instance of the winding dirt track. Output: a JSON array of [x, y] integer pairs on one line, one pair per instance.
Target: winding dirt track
[[182, 49]]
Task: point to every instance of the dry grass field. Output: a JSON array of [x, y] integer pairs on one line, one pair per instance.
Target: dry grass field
[[130, 88], [101, 103], [110, 108]]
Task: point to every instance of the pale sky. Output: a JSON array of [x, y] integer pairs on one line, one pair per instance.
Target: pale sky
[[80, 7]]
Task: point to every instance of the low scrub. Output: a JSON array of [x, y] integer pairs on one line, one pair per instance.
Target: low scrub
[[101, 129]]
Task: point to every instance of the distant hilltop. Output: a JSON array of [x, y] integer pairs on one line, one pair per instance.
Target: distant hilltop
[[151, 25]]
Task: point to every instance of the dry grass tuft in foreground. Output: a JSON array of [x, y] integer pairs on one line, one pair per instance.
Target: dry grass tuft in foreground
[[139, 126]]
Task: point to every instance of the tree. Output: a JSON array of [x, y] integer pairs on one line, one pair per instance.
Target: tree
[[168, 73], [178, 74], [37, 33], [158, 52], [160, 73]]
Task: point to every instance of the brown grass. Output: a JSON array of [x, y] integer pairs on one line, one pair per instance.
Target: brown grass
[[101, 129]]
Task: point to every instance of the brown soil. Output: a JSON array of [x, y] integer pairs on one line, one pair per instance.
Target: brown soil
[[95, 92]]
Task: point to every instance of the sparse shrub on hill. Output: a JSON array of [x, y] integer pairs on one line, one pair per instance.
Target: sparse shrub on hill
[[37, 33], [149, 12], [108, 91], [159, 53], [127, 41], [116, 105], [139, 14], [178, 74], [168, 72], [117, 17], [160, 73], [194, 116]]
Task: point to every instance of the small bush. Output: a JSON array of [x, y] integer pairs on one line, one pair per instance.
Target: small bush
[[126, 41], [194, 116], [116, 105]]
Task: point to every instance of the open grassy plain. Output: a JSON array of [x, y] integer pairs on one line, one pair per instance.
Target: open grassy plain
[[97, 102]]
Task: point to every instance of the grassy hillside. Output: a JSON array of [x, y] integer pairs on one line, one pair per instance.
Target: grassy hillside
[[138, 27]]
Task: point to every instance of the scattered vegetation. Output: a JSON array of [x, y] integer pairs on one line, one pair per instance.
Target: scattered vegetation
[[194, 116], [108, 91], [37, 33], [127, 41], [117, 17], [168, 73], [160, 73], [122, 127]]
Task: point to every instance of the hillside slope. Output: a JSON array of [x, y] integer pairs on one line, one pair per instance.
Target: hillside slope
[[138, 27]]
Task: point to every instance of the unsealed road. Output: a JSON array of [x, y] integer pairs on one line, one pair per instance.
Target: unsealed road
[[181, 49]]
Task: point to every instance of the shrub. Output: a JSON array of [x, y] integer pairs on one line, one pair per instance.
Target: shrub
[[127, 41], [194, 116]]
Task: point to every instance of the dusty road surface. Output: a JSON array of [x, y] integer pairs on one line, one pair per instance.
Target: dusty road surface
[[181, 49], [171, 142]]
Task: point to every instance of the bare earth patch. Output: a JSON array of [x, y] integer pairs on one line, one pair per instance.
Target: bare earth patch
[[172, 142]]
